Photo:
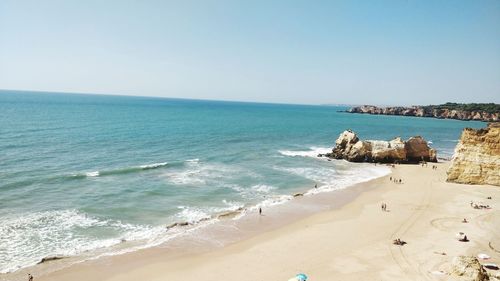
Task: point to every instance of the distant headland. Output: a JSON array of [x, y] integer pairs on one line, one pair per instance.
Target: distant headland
[[487, 112]]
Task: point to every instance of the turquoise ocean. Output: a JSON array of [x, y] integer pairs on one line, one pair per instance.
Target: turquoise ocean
[[83, 173]]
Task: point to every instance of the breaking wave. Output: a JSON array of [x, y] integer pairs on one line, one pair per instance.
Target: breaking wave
[[121, 171], [26, 239], [312, 152]]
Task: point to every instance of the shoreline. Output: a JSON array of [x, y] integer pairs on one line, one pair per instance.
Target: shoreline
[[332, 243], [282, 210]]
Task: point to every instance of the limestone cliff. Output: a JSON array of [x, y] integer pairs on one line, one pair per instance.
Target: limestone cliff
[[349, 147], [438, 111], [477, 157]]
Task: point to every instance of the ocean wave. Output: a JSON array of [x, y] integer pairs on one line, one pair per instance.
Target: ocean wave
[[92, 174], [263, 188], [196, 173], [119, 171], [254, 192], [153, 166], [272, 201], [192, 214], [27, 238], [330, 179], [312, 152]]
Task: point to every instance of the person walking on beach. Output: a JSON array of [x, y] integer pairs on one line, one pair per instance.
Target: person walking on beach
[[260, 211], [30, 277]]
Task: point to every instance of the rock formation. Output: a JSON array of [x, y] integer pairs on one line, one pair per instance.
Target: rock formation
[[430, 111], [477, 157], [50, 258], [349, 147], [468, 268]]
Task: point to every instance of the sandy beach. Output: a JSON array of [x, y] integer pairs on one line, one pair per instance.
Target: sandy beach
[[353, 242]]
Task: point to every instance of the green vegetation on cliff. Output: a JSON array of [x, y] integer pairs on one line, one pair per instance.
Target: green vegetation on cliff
[[482, 107]]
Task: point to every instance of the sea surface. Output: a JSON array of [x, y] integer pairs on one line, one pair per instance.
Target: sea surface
[[83, 173]]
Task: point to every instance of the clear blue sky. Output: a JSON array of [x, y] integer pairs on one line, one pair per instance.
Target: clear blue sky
[[376, 52]]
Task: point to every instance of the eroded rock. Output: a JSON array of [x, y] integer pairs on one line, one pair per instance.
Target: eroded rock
[[349, 147], [477, 157], [468, 268]]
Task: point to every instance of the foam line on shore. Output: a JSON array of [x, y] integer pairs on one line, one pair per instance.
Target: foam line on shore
[[190, 218]]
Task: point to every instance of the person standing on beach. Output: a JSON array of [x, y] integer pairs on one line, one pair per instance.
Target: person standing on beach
[[260, 211], [30, 277]]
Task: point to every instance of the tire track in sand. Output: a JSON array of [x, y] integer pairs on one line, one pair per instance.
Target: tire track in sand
[[397, 252]]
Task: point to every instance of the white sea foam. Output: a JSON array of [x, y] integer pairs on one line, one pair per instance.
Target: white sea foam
[[329, 178], [152, 166], [258, 191], [191, 214], [125, 170], [312, 152], [198, 174], [269, 202], [92, 174], [27, 238], [263, 188]]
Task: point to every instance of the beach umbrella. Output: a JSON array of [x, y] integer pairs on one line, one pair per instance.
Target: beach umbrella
[[301, 277]]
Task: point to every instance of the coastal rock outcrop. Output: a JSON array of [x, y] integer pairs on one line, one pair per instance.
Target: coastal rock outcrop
[[349, 147], [477, 157], [468, 268], [444, 111], [50, 258]]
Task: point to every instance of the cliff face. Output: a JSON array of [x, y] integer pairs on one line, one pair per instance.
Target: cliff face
[[477, 157], [421, 111], [349, 147]]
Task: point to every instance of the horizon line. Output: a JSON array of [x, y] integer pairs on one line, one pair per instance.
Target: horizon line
[[176, 98]]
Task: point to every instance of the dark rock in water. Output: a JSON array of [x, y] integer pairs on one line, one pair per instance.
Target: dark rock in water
[[351, 148], [177, 224], [46, 259], [298, 194]]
